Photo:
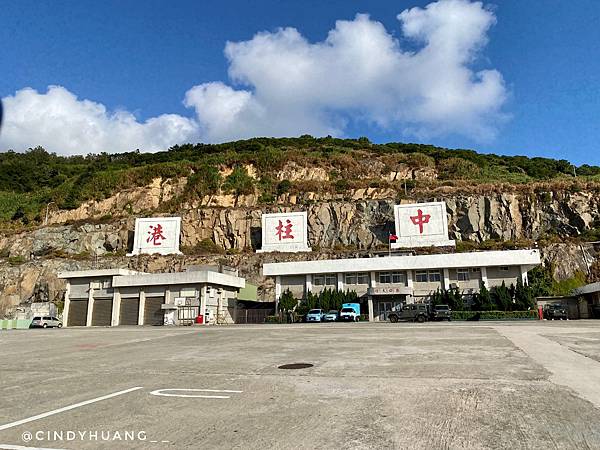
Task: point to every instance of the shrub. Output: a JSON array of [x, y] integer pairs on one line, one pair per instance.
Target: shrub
[[458, 169], [272, 319], [204, 247], [494, 315], [284, 187], [16, 260], [239, 182]]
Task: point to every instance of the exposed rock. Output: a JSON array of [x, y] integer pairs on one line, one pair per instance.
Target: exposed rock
[[293, 172], [357, 220]]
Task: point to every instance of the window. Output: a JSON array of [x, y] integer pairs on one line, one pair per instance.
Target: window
[[476, 269], [392, 277], [357, 278], [385, 277], [462, 274], [434, 275], [327, 279], [421, 276], [106, 284], [399, 277], [503, 268]]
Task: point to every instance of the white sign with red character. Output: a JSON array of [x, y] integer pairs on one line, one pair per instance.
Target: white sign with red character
[[157, 235], [421, 225], [285, 232]]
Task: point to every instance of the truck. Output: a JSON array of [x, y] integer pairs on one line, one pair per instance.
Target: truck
[[350, 312], [416, 312], [555, 311], [441, 312]]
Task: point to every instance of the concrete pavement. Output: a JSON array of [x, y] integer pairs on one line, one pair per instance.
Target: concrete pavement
[[435, 385]]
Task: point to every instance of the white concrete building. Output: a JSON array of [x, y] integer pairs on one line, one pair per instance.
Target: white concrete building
[[385, 282], [124, 297]]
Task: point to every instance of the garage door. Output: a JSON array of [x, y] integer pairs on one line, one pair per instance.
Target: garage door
[[129, 311], [77, 313], [102, 313], [153, 314]]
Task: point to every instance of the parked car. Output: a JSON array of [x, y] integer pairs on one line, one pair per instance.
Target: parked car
[[555, 311], [45, 322], [331, 316], [441, 312], [315, 315], [350, 312], [418, 312]]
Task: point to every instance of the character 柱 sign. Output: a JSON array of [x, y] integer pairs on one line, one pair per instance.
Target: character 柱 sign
[[285, 232]]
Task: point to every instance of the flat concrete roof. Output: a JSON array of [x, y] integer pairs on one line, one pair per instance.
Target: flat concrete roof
[[587, 289], [195, 277], [407, 262], [97, 273]]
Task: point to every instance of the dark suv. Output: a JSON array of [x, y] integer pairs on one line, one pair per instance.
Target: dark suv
[[418, 312], [441, 312], [555, 311]]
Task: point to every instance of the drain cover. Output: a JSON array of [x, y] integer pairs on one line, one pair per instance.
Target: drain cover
[[296, 366]]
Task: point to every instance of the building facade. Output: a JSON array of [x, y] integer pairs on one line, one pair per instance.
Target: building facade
[[123, 297], [385, 282]]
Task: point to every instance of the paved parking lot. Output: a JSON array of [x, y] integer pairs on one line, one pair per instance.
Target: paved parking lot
[[456, 385]]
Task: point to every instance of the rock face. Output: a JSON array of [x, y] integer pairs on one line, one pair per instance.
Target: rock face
[[360, 223]]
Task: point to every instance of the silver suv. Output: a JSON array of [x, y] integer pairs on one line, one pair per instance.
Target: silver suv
[[45, 322]]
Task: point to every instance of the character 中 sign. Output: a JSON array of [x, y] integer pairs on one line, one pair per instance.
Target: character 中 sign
[[421, 225], [285, 232], [157, 235]]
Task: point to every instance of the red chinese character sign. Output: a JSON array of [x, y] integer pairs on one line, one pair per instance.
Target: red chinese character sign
[[421, 225], [285, 232], [157, 235]]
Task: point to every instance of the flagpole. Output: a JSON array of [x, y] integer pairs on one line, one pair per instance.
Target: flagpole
[[389, 245]]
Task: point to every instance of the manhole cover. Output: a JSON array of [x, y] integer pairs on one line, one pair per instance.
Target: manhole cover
[[296, 366]]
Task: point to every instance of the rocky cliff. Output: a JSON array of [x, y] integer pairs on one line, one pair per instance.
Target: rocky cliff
[[98, 234]]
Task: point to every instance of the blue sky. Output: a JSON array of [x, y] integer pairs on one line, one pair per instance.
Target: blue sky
[[143, 57]]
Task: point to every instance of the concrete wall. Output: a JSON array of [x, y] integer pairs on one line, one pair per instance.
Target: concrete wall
[[422, 290], [472, 284], [427, 288], [360, 289], [79, 287], [296, 284], [496, 276]]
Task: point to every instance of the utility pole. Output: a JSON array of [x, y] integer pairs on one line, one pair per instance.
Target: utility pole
[[47, 211]]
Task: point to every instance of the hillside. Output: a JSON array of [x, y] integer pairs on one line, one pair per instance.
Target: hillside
[[348, 188], [29, 181]]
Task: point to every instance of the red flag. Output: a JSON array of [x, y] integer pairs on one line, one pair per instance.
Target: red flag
[[393, 237]]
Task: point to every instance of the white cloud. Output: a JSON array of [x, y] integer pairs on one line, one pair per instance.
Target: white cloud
[[60, 122], [284, 85], [361, 72]]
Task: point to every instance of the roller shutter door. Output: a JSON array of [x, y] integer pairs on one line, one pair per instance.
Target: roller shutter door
[[153, 314], [102, 313], [129, 311], [77, 313]]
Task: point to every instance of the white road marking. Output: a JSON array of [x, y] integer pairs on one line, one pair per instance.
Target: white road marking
[[20, 447], [67, 408], [161, 393]]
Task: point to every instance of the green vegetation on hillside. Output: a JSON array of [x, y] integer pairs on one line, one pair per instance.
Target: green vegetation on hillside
[[31, 180]]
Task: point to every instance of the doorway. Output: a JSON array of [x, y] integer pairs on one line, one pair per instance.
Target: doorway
[[384, 309]]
